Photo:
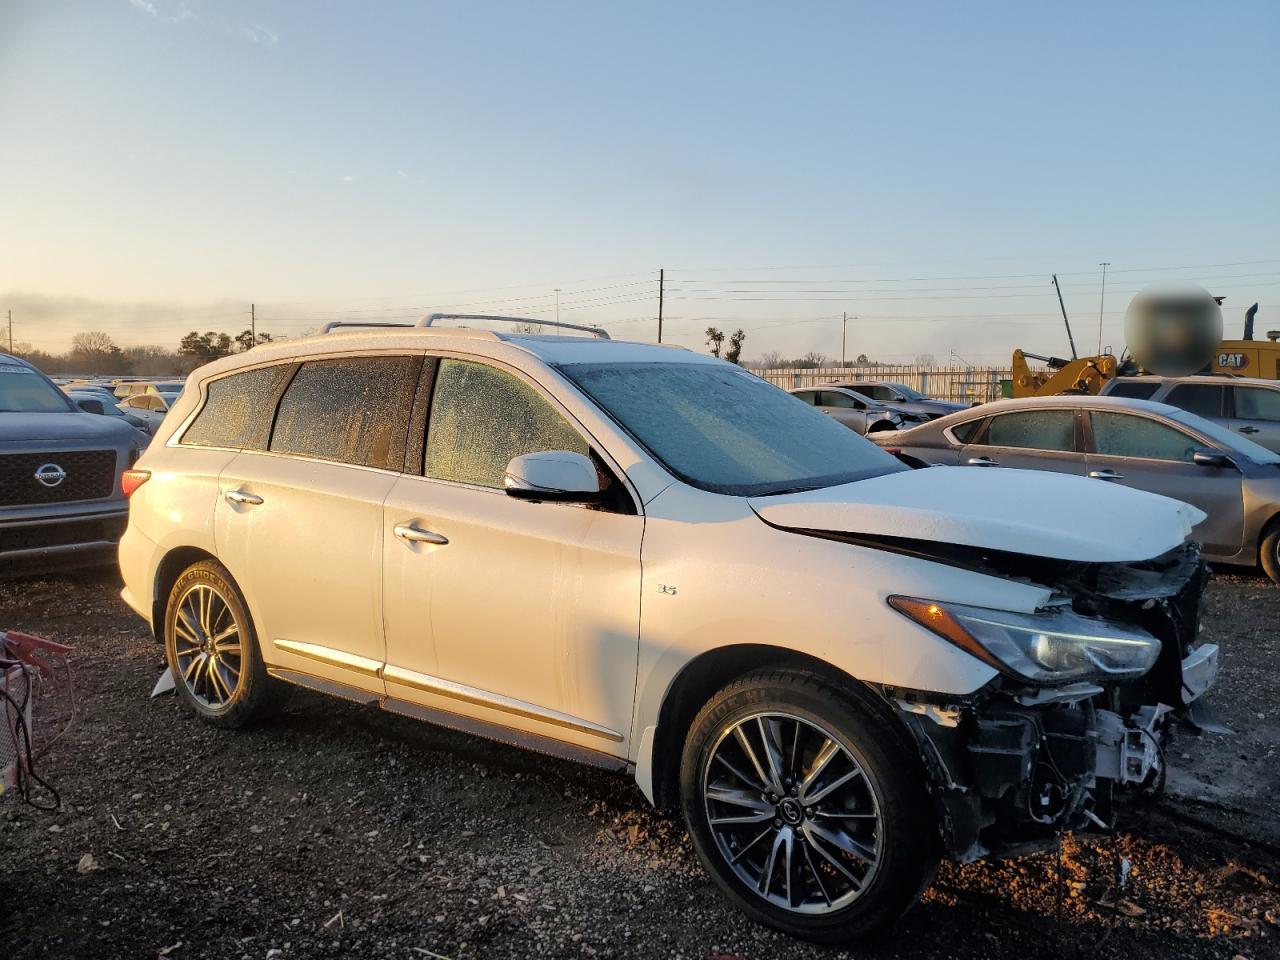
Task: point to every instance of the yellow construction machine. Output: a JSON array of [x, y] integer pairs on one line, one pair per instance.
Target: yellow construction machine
[[1170, 332]]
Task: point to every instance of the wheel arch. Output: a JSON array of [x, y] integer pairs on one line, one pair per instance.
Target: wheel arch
[[168, 570], [695, 684]]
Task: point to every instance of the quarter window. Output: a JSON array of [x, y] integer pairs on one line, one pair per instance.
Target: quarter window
[[964, 431], [1202, 399], [482, 418], [1134, 389], [1124, 435], [1255, 403], [353, 409], [1034, 430], [237, 410]]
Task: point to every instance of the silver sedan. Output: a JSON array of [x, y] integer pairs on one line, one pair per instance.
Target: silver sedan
[[1150, 446], [860, 414]]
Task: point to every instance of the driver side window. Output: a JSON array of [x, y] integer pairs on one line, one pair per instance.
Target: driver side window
[[482, 417], [1124, 435]]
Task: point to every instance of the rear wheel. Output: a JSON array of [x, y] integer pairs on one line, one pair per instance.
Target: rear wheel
[[807, 808], [212, 649]]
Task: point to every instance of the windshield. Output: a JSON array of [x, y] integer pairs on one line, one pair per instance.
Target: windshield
[[22, 390], [907, 392], [722, 429], [1224, 438]]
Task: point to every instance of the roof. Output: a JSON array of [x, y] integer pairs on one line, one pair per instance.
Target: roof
[[1067, 400], [1217, 379], [489, 343]]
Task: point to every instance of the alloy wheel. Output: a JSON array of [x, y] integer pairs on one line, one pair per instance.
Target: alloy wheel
[[207, 645], [793, 812]]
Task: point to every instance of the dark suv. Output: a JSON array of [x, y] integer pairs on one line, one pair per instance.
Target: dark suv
[[60, 497]]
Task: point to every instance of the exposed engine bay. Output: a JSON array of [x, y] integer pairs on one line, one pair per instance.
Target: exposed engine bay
[[1015, 764]]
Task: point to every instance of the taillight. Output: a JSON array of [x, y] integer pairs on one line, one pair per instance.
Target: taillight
[[131, 480]]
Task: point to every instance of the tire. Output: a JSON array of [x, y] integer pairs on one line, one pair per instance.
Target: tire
[[877, 826], [1269, 553], [212, 649]]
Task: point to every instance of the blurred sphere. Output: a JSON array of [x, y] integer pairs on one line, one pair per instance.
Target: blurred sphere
[[1173, 329]]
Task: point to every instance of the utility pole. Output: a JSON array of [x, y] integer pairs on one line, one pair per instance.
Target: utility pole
[[844, 325], [1102, 299], [1070, 339], [253, 325], [557, 304], [11, 331], [661, 284]]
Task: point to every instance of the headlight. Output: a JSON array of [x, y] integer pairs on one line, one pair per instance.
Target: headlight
[[1056, 646]]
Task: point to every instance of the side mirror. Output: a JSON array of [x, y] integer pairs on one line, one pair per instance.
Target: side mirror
[[89, 405], [558, 475], [1211, 458]]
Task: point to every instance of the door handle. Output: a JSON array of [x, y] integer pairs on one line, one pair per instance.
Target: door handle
[[239, 496], [982, 462], [1248, 429], [1105, 475], [411, 534]]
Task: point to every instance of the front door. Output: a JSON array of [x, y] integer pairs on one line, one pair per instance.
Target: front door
[[518, 613], [1148, 454], [300, 525], [848, 410]]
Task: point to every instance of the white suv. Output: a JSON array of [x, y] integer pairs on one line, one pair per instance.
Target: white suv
[[652, 561]]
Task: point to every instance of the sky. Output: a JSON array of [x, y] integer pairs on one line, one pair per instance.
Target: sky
[[921, 167]]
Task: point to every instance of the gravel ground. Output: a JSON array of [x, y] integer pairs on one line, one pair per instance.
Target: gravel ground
[[344, 831]]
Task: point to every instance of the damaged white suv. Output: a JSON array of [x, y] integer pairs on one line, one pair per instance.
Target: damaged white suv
[[638, 557]]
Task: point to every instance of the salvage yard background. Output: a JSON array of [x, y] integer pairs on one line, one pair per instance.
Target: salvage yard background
[[343, 831]]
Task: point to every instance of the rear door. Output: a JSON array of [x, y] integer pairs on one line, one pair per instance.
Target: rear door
[[1043, 439], [1257, 415], [1146, 453], [299, 525]]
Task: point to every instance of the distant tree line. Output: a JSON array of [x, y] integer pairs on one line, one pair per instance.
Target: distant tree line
[[95, 352]]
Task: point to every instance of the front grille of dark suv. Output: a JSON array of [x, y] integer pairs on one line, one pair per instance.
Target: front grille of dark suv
[[91, 475]]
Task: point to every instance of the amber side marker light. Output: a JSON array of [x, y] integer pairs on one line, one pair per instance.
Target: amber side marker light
[[938, 619], [131, 480]]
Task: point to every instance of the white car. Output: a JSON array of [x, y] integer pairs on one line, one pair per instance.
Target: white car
[[652, 561]]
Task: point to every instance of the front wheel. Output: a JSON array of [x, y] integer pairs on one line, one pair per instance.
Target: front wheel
[[807, 808]]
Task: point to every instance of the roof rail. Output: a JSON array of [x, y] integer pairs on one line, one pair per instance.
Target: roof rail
[[335, 324], [431, 318]]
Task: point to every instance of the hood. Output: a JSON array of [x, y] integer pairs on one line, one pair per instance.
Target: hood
[[65, 428], [1017, 511]]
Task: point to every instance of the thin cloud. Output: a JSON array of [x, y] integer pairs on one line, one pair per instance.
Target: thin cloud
[[145, 6], [260, 35]]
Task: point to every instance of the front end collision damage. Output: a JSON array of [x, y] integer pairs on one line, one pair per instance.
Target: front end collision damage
[[1014, 765]]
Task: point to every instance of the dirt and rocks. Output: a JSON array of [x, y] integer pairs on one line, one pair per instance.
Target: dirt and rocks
[[340, 831]]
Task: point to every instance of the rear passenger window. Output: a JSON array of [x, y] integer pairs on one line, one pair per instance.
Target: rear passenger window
[[830, 398], [353, 410], [482, 418], [1201, 399], [237, 411], [1034, 430], [1133, 389], [808, 396]]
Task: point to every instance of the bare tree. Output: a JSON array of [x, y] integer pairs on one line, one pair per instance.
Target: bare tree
[[814, 358], [95, 352], [924, 360], [772, 360]]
